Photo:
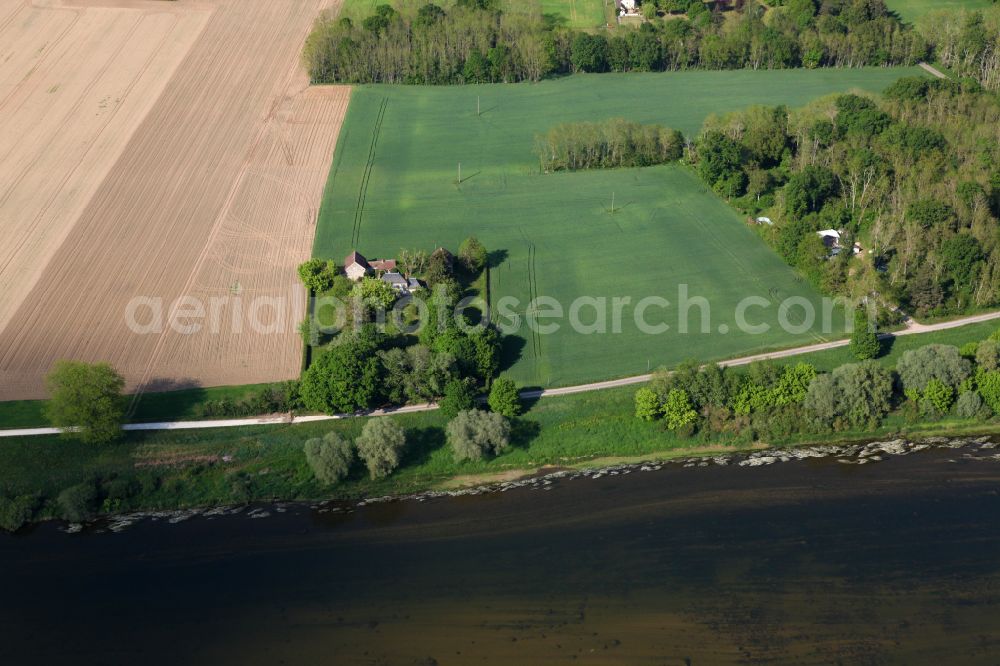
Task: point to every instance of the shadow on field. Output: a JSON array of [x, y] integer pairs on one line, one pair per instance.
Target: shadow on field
[[165, 399], [164, 384], [421, 443], [511, 347], [523, 432], [496, 258]]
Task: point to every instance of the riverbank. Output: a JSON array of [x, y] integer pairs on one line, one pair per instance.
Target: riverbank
[[977, 447]]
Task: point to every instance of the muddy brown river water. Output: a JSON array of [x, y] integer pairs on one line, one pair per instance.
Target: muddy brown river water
[[806, 562]]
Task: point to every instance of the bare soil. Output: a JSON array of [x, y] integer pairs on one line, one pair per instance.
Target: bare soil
[[157, 150]]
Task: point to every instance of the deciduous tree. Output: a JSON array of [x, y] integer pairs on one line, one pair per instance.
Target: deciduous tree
[[329, 457], [87, 398], [474, 434], [381, 445]]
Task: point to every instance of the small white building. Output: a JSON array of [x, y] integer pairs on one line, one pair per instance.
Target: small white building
[[831, 237], [628, 8]]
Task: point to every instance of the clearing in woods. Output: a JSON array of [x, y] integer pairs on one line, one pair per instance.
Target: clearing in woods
[[393, 185], [911, 10], [157, 149]]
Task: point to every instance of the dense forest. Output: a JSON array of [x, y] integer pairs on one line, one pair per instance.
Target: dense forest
[[475, 42], [914, 178]]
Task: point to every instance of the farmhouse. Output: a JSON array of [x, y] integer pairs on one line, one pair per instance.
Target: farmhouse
[[401, 284], [356, 266]]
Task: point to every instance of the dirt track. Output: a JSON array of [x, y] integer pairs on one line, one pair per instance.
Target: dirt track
[[118, 180]]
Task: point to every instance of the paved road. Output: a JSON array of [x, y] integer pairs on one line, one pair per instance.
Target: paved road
[[912, 328]]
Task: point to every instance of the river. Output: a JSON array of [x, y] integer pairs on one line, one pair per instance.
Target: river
[[800, 562]]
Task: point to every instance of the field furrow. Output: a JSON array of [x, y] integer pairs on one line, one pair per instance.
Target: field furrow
[[211, 189]]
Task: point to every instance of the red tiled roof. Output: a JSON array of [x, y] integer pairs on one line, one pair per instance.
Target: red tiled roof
[[383, 264], [356, 258]]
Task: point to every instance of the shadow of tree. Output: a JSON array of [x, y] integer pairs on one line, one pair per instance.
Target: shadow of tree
[[496, 258], [511, 347], [523, 432], [165, 384], [421, 443], [886, 344], [528, 403]]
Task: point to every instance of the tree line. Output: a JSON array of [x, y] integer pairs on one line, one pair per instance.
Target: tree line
[[612, 143], [914, 177], [475, 42], [774, 402]]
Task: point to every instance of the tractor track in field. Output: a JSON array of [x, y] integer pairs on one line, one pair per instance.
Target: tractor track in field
[[536, 338], [359, 209]]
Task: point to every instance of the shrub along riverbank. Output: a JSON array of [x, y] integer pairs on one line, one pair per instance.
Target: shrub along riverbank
[[47, 477]]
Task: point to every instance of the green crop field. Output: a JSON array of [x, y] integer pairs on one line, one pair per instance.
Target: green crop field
[[394, 185], [911, 10], [574, 13]]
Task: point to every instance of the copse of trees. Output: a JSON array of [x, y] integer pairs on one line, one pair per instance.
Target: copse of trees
[[475, 42], [913, 177], [612, 143], [776, 402], [343, 378], [856, 395], [359, 372], [942, 364]]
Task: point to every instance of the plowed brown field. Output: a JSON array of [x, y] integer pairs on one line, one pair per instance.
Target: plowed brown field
[[157, 151]]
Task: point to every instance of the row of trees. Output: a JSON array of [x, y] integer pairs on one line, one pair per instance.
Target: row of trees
[[779, 401], [915, 177], [471, 433], [612, 143], [474, 42]]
